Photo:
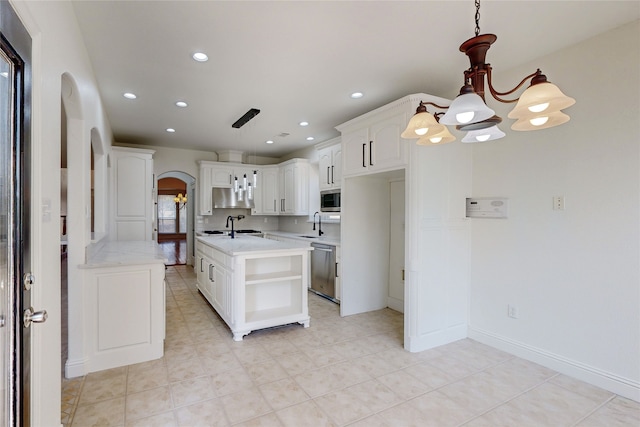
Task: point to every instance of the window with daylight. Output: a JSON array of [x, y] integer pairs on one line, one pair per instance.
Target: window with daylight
[[172, 218]]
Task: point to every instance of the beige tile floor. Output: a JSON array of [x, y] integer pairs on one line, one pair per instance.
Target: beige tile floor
[[340, 371]]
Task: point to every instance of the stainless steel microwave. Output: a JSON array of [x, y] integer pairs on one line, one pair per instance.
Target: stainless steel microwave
[[330, 201]]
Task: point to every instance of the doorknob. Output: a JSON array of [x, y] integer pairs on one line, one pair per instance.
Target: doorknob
[[31, 316]]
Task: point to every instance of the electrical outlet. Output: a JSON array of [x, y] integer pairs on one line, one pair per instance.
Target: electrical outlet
[[512, 311], [558, 203], [266, 220]]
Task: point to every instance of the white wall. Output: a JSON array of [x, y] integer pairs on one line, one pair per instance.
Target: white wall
[[574, 274], [57, 49]]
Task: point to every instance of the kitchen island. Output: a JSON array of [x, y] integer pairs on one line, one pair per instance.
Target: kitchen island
[[254, 283]]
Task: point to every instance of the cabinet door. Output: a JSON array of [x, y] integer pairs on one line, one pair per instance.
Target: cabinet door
[[270, 193], [336, 167], [221, 176], [201, 275], [205, 204], [257, 193], [355, 146], [287, 189], [132, 195], [387, 148], [220, 289], [324, 167]]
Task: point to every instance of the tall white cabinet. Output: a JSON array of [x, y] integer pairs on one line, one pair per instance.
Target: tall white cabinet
[[436, 237], [132, 193]]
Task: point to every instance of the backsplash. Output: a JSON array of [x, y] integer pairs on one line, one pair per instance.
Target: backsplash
[[293, 224]]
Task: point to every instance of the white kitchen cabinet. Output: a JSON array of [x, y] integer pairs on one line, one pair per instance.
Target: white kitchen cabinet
[[294, 187], [124, 297], [132, 194], [375, 147], [220, 174], [205, 183], [338, 272], [270, 190], [330, 164]]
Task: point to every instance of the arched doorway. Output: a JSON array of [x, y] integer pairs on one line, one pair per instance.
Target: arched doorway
[[175, 217]]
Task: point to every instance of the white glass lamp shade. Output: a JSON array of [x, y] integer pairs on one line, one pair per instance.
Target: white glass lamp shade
[[540, 98], [467, 108], [483, 135], [541, 121], [420, 125], [437, 139]]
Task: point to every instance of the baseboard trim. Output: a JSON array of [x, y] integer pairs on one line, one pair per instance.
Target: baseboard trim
[[75, 368], [614, 383], [436, 338], [395, 304]]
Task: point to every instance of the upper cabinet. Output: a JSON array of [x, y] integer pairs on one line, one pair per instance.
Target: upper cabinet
[[205, 184], [330, 164], [375, 147], [132, 194], [294, 187], [281, 189], [371, 143]]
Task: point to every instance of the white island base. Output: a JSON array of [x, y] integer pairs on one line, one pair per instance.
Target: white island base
[[254, 283]]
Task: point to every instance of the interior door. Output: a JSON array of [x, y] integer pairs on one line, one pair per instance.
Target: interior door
[[16, 313]]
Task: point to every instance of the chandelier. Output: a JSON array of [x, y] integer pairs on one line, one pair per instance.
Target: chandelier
[[181, 200], [539, 106]]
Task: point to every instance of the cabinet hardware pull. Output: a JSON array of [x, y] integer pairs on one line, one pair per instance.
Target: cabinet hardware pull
[[332, 175], [201, 270], [370, 150], [364, 147], [328, 182], [336, 269]]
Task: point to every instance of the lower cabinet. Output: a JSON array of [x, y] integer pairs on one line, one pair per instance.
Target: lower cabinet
[[125, 322]]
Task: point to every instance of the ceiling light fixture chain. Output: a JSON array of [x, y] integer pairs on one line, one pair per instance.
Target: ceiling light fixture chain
[[477, 18]]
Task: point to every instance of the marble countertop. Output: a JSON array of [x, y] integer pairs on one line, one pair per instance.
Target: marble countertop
[[244, 244], [120, 253], [312, 237]]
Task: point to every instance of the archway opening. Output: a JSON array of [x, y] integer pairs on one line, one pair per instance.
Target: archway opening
[[173, 219]]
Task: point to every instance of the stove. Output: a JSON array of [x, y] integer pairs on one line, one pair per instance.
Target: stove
[[249, 231], [242, 231]]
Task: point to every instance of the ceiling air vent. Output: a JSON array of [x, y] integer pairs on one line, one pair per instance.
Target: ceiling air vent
[[244, 119], [283, 134]]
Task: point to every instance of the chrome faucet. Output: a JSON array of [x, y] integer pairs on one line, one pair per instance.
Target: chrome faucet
[[239, 217], [320, 232]]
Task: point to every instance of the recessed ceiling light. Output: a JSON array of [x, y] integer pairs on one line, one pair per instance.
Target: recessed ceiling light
[[269, 142], [310, 138], [129, 95], [356, 95], [171, 130], [181, 104], [200, 57], [304, 123]]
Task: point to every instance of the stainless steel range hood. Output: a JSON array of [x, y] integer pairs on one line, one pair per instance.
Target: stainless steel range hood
[[226, 198]]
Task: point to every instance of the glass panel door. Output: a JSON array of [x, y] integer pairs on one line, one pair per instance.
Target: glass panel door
[[6, 255]]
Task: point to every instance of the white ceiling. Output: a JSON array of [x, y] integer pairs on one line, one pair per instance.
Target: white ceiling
[[300, 60]]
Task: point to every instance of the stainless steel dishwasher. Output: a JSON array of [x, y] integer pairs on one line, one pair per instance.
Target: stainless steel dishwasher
[[323, 270]]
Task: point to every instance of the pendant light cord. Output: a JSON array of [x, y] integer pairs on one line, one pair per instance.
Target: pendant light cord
[[477, 18]]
